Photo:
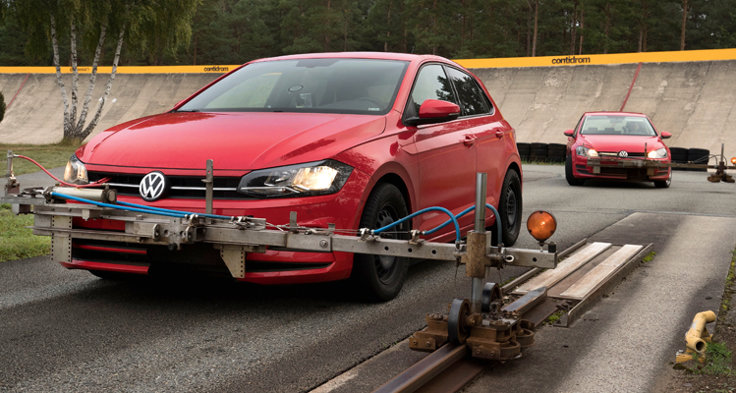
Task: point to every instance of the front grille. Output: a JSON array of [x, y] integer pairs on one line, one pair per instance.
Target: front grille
[[181, 186], [615, 154], [582, 169]]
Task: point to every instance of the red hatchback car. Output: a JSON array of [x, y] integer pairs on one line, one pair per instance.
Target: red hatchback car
[[616, 140], [352, 139]]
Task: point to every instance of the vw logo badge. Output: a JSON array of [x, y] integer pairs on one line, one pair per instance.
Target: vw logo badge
[[152, 186], [623, 154]]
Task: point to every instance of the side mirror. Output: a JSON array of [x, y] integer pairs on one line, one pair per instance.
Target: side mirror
[[569, 133], [434, 111], [666, 135]]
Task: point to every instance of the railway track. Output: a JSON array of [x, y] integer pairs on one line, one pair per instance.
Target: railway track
[[586, 271]]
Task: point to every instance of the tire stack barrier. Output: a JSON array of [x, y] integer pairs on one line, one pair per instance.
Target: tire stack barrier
[[538, 152], [679, 156], [524, 150], [698, 156], [556, 152]]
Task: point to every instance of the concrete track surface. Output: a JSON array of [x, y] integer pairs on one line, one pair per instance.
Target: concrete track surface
[[64, 330], [694, 101]]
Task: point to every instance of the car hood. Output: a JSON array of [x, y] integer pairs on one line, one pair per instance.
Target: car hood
[[616, 143], [235, 141]]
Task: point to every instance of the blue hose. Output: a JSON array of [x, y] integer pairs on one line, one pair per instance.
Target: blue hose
[[181, 214], [160, 209], [425, 210], [446, 223], [466, 211], [133, 209]]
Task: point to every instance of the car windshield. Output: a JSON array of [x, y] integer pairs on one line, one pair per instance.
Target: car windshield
[[617, 125], [329, 85]]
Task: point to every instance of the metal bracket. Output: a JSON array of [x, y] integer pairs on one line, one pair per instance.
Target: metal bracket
[[61, 242], [234, 257], [209, 182]]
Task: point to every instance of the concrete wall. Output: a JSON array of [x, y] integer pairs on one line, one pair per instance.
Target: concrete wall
[[36, 115], [695, 101]]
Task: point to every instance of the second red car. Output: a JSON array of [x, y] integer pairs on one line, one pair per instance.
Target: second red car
[[623, 145]]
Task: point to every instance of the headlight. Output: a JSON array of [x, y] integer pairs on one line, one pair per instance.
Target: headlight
[[75, 171], [312, 178], [659, 153], [584, 151]]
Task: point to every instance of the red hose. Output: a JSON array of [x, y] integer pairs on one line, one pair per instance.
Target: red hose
[[62, 182]]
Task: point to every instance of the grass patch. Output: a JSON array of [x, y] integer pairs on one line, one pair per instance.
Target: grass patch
[[50, 156], [17, 241], [728, 287], [649, 257], [717, 360], [552, 319]]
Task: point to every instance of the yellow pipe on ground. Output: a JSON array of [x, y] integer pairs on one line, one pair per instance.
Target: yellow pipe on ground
[[697, 337]]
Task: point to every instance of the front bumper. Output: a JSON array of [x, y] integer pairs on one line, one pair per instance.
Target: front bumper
[[274, 266], [642, 169]]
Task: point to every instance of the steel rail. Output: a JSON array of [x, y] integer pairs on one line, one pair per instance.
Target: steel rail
[[424, 371]]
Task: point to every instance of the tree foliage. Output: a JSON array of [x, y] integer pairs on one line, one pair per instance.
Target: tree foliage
[[235, 31], [155, 28]]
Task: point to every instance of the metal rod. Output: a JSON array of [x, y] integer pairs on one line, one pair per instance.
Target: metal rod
[[476, 284], [481, 182], [10, 156], [209, 187]]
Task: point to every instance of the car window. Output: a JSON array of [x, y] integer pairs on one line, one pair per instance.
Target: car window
[[431, 84], [329, 85], [617, 125], [473, 100]]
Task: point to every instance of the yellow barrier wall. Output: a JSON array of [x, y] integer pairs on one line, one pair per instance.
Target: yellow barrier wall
[[200, 69], [614, 58], [504, 62]]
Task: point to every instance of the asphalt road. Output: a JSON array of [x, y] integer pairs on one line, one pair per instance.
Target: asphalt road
[[66, 330]]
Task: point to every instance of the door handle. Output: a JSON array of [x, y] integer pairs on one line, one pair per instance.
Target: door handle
[[499, 134], [469, 140]]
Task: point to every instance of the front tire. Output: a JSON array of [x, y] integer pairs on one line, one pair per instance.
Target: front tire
[[569, 176], [509, 209], [380, 278], [663, 183]]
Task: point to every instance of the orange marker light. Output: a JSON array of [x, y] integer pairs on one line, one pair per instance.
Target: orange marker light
[[733, 160], [541, 225]]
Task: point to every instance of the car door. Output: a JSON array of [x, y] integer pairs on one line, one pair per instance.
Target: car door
[[490, 133], [445, 153]]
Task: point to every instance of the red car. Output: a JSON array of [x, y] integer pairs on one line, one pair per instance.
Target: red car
[[353, 139], [625, 145]]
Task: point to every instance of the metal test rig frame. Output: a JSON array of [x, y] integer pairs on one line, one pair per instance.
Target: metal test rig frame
[[490, 329]]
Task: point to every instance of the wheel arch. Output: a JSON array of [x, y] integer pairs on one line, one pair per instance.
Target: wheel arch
[[514, 166], [398, 181]]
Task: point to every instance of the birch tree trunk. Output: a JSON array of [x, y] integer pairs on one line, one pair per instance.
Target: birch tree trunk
[[114, 70], [92, 76], [74, 128], [75, 79], [59, 79]]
